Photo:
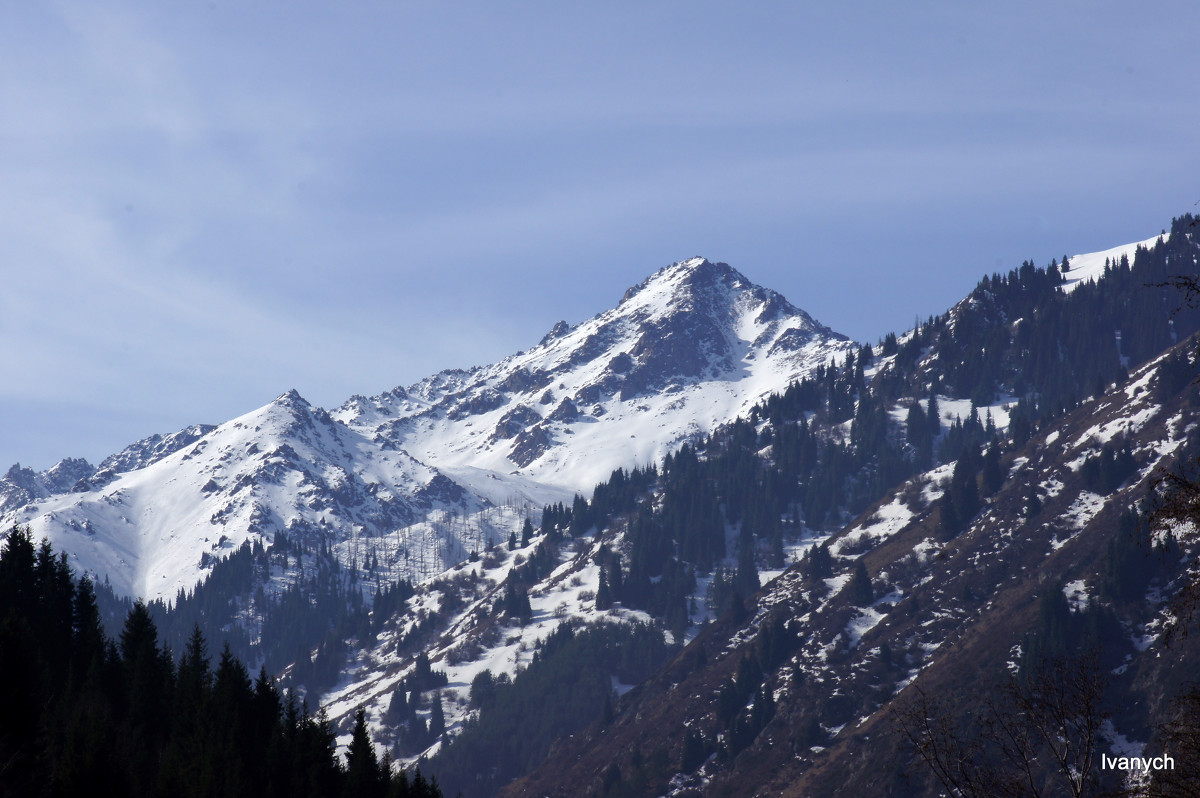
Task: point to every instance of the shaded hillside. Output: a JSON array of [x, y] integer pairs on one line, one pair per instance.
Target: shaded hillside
[[951, 613]]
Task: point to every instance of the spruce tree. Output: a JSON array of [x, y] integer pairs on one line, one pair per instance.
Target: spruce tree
[[745, 578], [87, 632], [437, 717], [603, 594], [993, 476], [861, 592], [363, 776]]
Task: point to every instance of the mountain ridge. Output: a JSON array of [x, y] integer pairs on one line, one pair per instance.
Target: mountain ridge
[[535, 427]]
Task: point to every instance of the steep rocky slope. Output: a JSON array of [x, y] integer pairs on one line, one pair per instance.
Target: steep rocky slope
[[947, 614]]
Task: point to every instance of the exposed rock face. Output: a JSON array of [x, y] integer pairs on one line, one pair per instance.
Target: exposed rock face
[[514, 422], [531, 444], [566, 411]]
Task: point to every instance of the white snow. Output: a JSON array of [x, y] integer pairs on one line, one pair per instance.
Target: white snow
[[1077, 594], [1105, 432], [1120, 744], [243, 481], [925, 550], [879, 526], [865, 621], [1089, 267], [1083, 509]]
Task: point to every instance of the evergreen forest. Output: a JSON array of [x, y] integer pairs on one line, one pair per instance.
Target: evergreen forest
[[84, 714]]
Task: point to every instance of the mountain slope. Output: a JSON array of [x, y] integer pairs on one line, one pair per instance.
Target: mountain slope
[[152, 530], [949, 614], [988, 566]]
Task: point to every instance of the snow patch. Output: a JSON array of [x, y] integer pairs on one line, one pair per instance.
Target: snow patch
[[1077, 594], [1089, 267], [1083, 509]]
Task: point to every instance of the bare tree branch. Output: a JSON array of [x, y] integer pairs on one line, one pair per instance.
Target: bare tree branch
[[1035, 736]]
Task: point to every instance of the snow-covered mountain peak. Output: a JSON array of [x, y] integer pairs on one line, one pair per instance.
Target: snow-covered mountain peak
[[693, 345], [700, 284]]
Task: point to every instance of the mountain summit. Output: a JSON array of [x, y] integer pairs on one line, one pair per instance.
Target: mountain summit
[[693, 345]]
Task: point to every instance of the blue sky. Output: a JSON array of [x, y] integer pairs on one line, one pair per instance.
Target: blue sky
[[205, 204]]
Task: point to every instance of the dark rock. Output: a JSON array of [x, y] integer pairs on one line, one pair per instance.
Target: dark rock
[[514, 422], [482, 402], [66, 474], [557, 331], [587, 394], [791, 341], [518, 381], [621, 364], [566, 411], [530, 445]]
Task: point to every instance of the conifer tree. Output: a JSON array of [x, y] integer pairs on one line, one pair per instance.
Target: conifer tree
[[745, 578], [437, 717], [87, 631], [363, 775], [861, 592], [993, 476], [603, 593]]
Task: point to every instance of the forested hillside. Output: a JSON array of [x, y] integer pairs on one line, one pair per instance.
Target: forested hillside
[[81, 713]]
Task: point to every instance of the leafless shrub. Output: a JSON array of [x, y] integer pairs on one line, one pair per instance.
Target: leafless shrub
[[1032, 736]]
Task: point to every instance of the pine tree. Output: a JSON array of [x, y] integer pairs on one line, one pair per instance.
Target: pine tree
[[437, 717], [693, 754], [147, 671], [916, 424], [993, 476], [363, 775], [516, 601], [87, 631], [745, 578], [861, 592], [193, 685], [603, 593]]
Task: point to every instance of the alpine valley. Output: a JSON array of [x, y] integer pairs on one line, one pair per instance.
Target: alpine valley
[[701, 544]]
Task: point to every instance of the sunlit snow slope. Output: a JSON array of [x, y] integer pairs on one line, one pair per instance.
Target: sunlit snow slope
[[286, 466]]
